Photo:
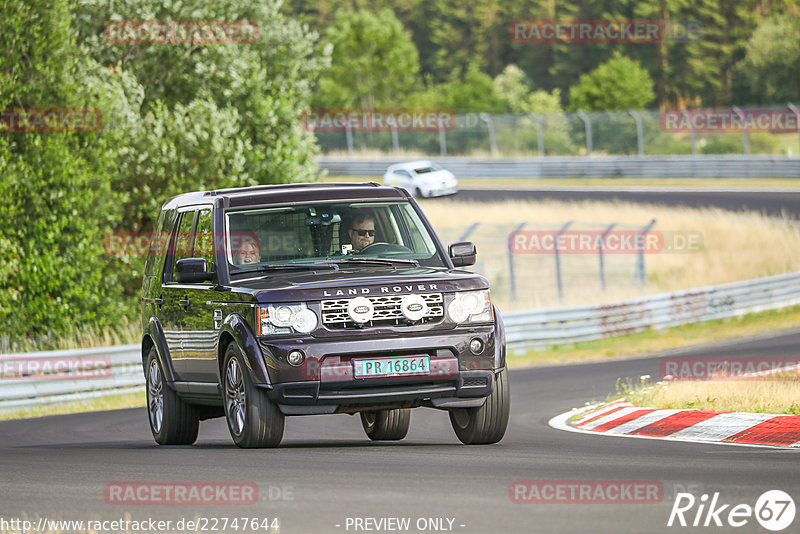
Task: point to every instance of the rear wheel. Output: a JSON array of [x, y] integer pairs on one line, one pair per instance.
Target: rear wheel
[[386, 425], [488, 423], [253, 420], [172, 421]]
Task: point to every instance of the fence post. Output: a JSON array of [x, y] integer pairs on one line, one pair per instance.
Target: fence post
[[600, 255], [686, 114], [539, 132], [587, 122], [639, 132], [395, 139], [490, 124], [512, 286], [745, 141], [797, 115], [558, 260], [442, 139], [640, 274], [348, 133], [469, 231]]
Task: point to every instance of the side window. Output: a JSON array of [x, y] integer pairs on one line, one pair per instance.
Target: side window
[[182, 242], [403, 172], [204, 239]]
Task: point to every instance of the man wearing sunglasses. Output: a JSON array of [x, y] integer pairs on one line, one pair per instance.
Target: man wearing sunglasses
[[362, 231]]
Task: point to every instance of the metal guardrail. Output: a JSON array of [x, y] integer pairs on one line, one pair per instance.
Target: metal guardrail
[[731, 166], [113, 370], [571, 324]]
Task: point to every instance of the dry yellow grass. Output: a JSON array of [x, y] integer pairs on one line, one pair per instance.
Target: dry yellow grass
[[124, 333], [759, 396], [111, 402], [735, 246]]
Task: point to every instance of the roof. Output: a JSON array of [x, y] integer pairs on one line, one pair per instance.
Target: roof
[[412, 164], [288, 194]]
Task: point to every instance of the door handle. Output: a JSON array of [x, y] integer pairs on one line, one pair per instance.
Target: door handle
[[159, 301], [185, 302]]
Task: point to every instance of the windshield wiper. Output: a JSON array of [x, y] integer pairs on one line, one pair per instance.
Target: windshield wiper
[[382, 261], [289, 267]]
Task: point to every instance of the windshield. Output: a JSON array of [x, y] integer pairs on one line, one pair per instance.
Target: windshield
[[353, 233]]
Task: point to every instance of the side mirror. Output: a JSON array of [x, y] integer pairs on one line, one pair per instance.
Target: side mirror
[[192, 270], [463, 253]]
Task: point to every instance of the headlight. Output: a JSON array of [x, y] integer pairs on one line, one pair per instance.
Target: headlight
[[285, 319], [471, 307]]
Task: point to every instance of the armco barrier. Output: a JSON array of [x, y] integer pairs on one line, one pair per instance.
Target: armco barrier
[[538, 328], [730, 166], [585, 323]]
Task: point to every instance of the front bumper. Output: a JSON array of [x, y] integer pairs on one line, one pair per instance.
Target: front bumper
[[325, 382]]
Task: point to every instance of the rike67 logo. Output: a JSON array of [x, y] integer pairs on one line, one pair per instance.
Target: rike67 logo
[[774, 510]]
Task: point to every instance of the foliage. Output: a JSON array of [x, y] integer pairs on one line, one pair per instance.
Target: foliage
[[619, 83]]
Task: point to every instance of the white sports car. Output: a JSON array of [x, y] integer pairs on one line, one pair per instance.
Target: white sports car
[[421, 179]]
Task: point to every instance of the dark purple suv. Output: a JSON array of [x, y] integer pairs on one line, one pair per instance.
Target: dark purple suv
[[268, 301]]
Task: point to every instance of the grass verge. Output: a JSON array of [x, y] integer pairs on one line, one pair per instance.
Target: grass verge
[[757, 396], [97, 404], [659, 340]]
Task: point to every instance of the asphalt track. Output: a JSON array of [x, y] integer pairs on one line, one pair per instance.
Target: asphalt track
[[327, 471], [771, 202]]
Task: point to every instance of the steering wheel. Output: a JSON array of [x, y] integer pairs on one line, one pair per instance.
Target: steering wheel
[[382, 248]]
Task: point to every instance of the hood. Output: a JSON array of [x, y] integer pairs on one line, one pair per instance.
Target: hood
[[357, 281]]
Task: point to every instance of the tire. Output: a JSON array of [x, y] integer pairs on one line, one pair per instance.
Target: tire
[[172, 421], [386, 425], [418, 193], [253, 420], [488, 423]]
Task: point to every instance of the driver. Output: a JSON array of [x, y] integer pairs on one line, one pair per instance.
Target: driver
[[361, 231]]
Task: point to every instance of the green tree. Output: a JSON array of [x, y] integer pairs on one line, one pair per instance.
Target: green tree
[[56, 200], [771, 66], [619, 83], [374, 63], [512, 86]]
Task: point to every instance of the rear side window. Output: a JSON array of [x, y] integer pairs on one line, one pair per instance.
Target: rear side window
[[159, 242], [181, 242]]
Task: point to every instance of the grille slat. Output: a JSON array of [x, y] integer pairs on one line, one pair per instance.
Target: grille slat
[[387, 311]]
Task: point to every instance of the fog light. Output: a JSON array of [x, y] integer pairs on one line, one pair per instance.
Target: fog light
[[295, 357], [476, 346]]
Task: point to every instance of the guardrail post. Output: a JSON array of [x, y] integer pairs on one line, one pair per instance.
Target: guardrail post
[[539, 132], [490, 124], [640, 274], [348, 134], [512, 286], [442, 139], [558, 260], [688, 117], [745, 141], [395, 139], [639, 130], [587, 123], [600, 255], [469, 231], [797, 115]]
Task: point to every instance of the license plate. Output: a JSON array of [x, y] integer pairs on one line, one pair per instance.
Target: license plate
[[378, 367]]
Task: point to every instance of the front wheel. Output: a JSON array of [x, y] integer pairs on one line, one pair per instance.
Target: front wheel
[[386, 425], [488, 423], [172, 421], [253, 420]]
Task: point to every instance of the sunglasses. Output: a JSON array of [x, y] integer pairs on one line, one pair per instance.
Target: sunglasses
[[362, 233]]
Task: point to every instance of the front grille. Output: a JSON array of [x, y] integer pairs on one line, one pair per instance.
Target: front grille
[[388, 311], [474, 383]]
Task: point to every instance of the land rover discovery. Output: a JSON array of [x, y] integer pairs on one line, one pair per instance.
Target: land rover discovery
[[271, 301]]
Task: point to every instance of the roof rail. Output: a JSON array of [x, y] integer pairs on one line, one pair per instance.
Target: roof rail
[[274, 187]]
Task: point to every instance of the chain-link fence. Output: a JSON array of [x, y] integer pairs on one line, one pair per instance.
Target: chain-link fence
[[730, 131]]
